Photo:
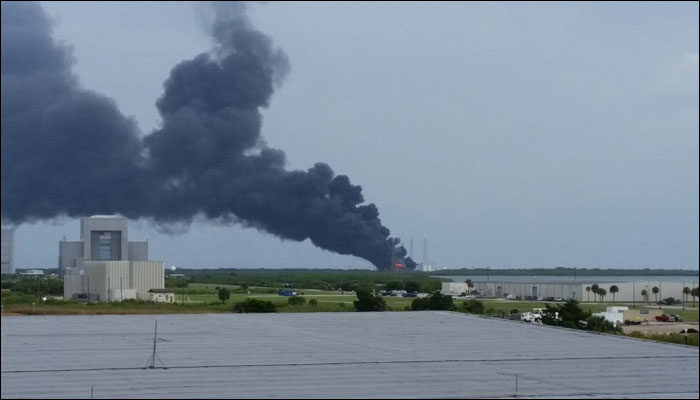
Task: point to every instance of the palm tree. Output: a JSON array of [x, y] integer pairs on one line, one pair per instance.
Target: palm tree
[[655, 290], [694, 294], [594, 289], [686, 292], [588, 289], [614, 289], [470, 285], [645, 294], [602, 293]]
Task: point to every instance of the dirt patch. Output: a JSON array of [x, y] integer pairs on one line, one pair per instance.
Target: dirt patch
[[659, 327]]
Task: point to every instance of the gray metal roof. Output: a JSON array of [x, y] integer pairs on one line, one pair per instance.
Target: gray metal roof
[[332, 355]]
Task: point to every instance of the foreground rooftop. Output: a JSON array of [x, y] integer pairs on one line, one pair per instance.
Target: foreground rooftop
[[332, 355]]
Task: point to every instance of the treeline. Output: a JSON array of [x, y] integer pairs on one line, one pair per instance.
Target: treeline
[[37, 286], [322, 279], [564, 271]]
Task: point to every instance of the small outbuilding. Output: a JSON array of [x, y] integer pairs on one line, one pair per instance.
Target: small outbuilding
[[162, 295]]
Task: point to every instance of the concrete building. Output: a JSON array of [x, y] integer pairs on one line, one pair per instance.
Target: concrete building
[[628, 291], [7, 254], [105, 264], [162, 295]]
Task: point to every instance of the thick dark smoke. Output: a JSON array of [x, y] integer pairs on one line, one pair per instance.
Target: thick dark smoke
[[68, 151]]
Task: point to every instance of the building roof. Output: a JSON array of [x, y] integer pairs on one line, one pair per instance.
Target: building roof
[[161, 291], [330, 355]]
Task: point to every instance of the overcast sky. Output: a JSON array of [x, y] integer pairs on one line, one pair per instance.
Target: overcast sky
[[506, 134]]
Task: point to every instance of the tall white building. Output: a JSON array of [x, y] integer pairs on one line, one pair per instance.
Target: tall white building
[[104, 265], [7, 255]]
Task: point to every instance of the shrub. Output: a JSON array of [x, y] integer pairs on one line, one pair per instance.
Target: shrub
[[296, 301], [600, 324], [473, 306], [16, 298], [313, 302], [435, 301], [366, 301], [254, 306]]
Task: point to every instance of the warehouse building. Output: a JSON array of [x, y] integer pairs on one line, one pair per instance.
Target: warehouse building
[[7, 250], [104, 265], [628, 291], [421, 354]]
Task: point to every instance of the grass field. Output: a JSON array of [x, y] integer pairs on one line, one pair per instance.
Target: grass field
[[204, 299]]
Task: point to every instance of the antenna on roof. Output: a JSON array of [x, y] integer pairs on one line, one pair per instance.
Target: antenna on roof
[[152, 360]]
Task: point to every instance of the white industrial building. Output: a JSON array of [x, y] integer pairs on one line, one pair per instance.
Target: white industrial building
[[628, 291], [7, 254], [105, 266]]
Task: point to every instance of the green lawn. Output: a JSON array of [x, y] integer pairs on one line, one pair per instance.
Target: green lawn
[[522, 306], [207, 300]]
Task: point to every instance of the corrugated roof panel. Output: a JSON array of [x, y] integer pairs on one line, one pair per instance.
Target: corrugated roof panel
[[321, 355]]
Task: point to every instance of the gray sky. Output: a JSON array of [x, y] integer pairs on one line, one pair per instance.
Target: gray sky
[[506, 134]]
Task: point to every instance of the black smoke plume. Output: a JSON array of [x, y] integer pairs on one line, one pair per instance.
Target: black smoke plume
[[70, 151]]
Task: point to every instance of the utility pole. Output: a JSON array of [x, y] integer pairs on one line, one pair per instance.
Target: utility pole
[[88, 293], [121, 290], [109, 289], [152, 359]]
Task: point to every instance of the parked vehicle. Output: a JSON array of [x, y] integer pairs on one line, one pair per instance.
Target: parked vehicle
[[669, 301], [630, 322], [665, 318], [510, 297]]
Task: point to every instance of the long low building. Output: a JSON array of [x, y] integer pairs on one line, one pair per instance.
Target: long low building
[[627, 291], [428, 354]]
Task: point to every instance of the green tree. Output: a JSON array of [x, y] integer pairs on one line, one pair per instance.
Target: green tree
[[594, 289], [313, 302], [686, 292], [600, 324], [366, 301], [254, 306], [655, 290], [412, 286], [570, 315], [645, 294], [473, 306], [394, 285], [588, 290], [435, 301], [694, 294], [470, 285], [224, 295], [296, 301], [614, 289], [602, 292]]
